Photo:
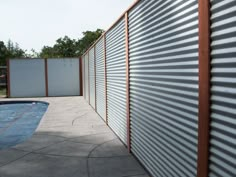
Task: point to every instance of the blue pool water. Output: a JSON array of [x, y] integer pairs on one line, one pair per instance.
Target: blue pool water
[[18, 121]]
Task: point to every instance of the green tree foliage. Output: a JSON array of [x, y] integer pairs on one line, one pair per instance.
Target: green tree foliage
[[11, 50], [47, 52], [89, 37], [14, 50], [3, 53], [32, 54], [66, 47]]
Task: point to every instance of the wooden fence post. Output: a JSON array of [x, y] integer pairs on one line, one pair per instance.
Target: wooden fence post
[[105, 62], [127, 79], [8, 79], [204, 88], [46, 75], [80, 76]]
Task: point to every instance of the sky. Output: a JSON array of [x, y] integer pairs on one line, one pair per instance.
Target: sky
[[35, 23]]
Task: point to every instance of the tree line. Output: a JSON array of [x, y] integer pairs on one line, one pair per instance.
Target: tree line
[[63, 47]]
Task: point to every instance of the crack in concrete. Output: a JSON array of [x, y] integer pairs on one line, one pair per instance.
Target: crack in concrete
[[14, 160], [79, 117], [88, 169]]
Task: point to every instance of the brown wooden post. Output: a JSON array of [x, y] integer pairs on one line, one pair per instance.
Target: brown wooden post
[[8, 79], [204, 88], [105, 62], [46, 75], [80, 76], [95, 78], [127, 79]]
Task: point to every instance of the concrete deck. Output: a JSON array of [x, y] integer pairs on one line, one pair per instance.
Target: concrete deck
[[70, 141]]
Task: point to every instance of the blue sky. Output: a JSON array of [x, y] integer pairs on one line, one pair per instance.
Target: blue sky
[[34, 23]]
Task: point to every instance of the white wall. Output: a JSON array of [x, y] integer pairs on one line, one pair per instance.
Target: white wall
[[63, 77], [27, 78]]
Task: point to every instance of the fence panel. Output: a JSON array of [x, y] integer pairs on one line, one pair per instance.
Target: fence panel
[[27, 78], [83, 73], [63, 77], [163, 47], [116, 80], [86, 65], [100, 79], [223, 117], [92, 78]]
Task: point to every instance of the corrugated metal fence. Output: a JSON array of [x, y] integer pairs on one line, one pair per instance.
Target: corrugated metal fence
[[92, 78], [163, 47], [168, 88], [44, 77], [116, 87], [223, 81]]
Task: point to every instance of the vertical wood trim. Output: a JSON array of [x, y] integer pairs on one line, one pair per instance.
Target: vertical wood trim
[[80, 76], [88, 80], [204, 88], [8, 79], [105, 62], [46, 75], [95, 78], [127, 79]]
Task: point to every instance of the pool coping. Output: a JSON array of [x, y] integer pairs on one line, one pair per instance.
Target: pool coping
[[22, 101]]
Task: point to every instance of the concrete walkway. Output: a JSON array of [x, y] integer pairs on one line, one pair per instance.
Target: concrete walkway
[[71, 141]]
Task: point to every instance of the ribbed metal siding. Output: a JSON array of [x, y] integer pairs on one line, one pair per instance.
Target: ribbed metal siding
[[92, 78], [27, 77], [223, 117], [164, 86], [100, 79], [116, 80], [86, 78], [83, 70], [63, 77]]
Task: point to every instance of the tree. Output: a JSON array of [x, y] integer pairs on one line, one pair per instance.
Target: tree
[[88, 39], [31, 54], [14, 51], [66, 47], [3, 53], [10, 51]]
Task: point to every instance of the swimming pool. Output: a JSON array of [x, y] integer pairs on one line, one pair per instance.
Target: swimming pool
[[19, 120]]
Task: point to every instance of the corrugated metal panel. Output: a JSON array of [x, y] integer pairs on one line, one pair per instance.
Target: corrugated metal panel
[[83, 73], [86, 64], [223, 117], [27, 78], [63, 77], [163, 39], [92, 78], [116, 80], [100, 79]]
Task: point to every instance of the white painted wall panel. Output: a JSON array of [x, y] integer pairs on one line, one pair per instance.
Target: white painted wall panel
[[27, 78], [63, 77]]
